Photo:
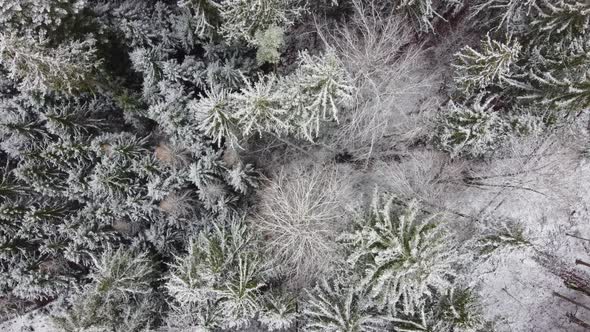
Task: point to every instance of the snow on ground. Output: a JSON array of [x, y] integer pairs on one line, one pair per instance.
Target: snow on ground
[[35, 321]]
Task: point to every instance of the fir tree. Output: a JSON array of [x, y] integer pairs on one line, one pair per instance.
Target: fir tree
[[297, 104], [67, 68], [508, 14], [471, 130], [242, 19], [565, 90], [279, 311], [335, 307], [206, 14], [563, 19], [421, 12], [117, 297], [261, 108], [268, 43], [502, 234], [477, 70], [43, 15], [406, 255], [220, 278], [319, 89], [215, 113]]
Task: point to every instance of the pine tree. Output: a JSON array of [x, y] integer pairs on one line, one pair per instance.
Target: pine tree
[[502, 234], [262, 109], [215, 112], [240, 293], [116, 299], [150, 24], [218, 278], [461, 308], [455, 310], [268, 43], [317, 91], [470, 130], [279, 311], [508, 14], [37, 67], [206, 14], [21, 130], [242, 18], [423, 321], [93, 169], [560, 21], [32, 14], [332, 306], [296, 104], [491, 65], [566, 90], [421, 12], [405, 254]]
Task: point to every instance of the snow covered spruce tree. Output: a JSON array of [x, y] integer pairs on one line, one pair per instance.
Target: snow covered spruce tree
[[296, 104], [87, 172], [406, 255], [167, 165], [537, 77], [470, 130], [47, 16], [552, 67], [336, 306], [38, 67], [118, 298], [86, 191], [491, 65], [219, 284], [400, 275]]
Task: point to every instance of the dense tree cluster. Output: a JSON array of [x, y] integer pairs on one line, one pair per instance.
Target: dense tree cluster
[[164, 162], [533, 62]]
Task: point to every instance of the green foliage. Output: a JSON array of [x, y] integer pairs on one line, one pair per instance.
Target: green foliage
[[406, 255], [319, 89], [462, 308], [112, 188], [117, 298], [38, 67], [215, 116], [261, 108], [332, 306], [560, 20], [118, 275], [503, 234], [477, 70], [220, 274], [508, 14], [205, 14], [269, 43], [296, 104], [242, 19], [421, 12], [279, 311], [552, 67], [32, 14], [458, 309], [424, 321], [120, 194], [470, 130], [566, 91]]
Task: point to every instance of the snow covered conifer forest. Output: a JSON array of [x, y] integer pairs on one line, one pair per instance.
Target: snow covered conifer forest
[[294, 165]]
